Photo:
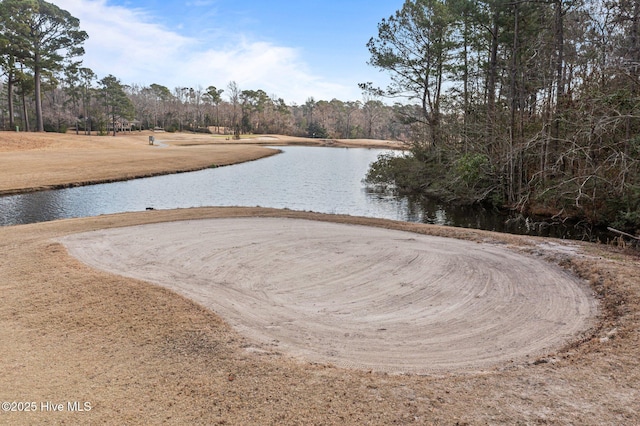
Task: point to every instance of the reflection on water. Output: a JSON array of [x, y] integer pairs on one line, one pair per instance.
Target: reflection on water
[[478, 217], [325, 180]]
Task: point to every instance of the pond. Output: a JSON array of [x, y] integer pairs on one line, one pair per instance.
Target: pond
[[319, 179]]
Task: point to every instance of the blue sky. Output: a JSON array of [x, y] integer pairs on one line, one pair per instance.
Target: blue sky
[[291, 49]]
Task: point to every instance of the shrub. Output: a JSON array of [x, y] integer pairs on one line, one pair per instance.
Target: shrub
[[471, 168]]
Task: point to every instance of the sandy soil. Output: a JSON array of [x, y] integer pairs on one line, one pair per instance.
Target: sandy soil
[[353, 296], [141, 353]]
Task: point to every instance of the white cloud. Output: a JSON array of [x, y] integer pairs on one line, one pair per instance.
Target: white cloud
[[127, 43]]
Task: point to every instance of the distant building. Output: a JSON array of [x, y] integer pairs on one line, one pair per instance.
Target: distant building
[[123, 125]]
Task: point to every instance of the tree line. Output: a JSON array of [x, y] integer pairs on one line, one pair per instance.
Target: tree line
[[235, 111], [529, 104], [45, 87]]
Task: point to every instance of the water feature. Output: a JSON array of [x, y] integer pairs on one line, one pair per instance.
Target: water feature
[[326, 180]]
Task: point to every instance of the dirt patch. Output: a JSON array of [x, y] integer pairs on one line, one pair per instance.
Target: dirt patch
[[143, 354], [353, 296]]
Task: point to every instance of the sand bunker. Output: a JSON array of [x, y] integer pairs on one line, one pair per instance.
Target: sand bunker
[[355, 296]]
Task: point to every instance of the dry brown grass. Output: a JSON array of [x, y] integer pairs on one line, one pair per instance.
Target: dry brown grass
[[143, 355], [33, 161]]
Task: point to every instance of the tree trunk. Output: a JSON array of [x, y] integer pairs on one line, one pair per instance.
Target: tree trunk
[[10, 81], [514, 105], [560, 83], [491, 83], [465, 84], [25, 114], [38, 94], [113, 123]]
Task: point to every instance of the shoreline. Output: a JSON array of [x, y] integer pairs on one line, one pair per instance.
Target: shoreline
[[27, 190], [31, 162]]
